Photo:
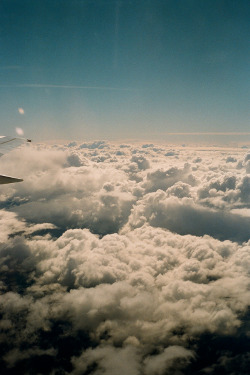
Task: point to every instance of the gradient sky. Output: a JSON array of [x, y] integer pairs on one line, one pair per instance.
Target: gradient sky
[[113, 69]]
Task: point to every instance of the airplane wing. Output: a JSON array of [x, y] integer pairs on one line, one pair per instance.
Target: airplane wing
[[7, 144], [8, 179]]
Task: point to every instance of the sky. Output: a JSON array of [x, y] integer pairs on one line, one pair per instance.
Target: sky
[[98, 69]]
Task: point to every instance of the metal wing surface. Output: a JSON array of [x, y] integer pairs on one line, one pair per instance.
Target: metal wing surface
[[7, 144]]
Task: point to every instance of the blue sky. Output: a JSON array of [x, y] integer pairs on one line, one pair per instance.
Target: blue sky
[[124, 69]]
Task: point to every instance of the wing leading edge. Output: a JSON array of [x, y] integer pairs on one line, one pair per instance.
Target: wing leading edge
[[7, 144]]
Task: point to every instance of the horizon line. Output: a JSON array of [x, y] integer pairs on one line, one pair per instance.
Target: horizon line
[[207, 133]]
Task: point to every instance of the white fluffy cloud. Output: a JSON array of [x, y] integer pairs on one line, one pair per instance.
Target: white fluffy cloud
[[124, 258]]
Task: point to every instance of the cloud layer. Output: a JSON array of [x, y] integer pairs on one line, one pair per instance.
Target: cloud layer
[[129, 259]]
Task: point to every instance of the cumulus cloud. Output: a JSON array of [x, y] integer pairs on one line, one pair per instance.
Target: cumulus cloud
[[125, 262], [94, 145], [183, 216], [163, 179]]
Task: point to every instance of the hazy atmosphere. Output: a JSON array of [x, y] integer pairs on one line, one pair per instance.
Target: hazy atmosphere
[[126, 249]]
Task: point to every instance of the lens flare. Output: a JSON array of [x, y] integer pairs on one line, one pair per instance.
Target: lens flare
[[19, 131], [21, 111]]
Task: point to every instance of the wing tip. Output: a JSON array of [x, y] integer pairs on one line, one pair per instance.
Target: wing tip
[[9, 180]]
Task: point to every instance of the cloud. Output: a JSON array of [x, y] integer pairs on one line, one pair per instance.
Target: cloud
[[132, 291], [141, 162], [183, 216], [244, 188], [172, 359], [109, 359], [163, 179], [94, 145], [129, 262], [230, 159]]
